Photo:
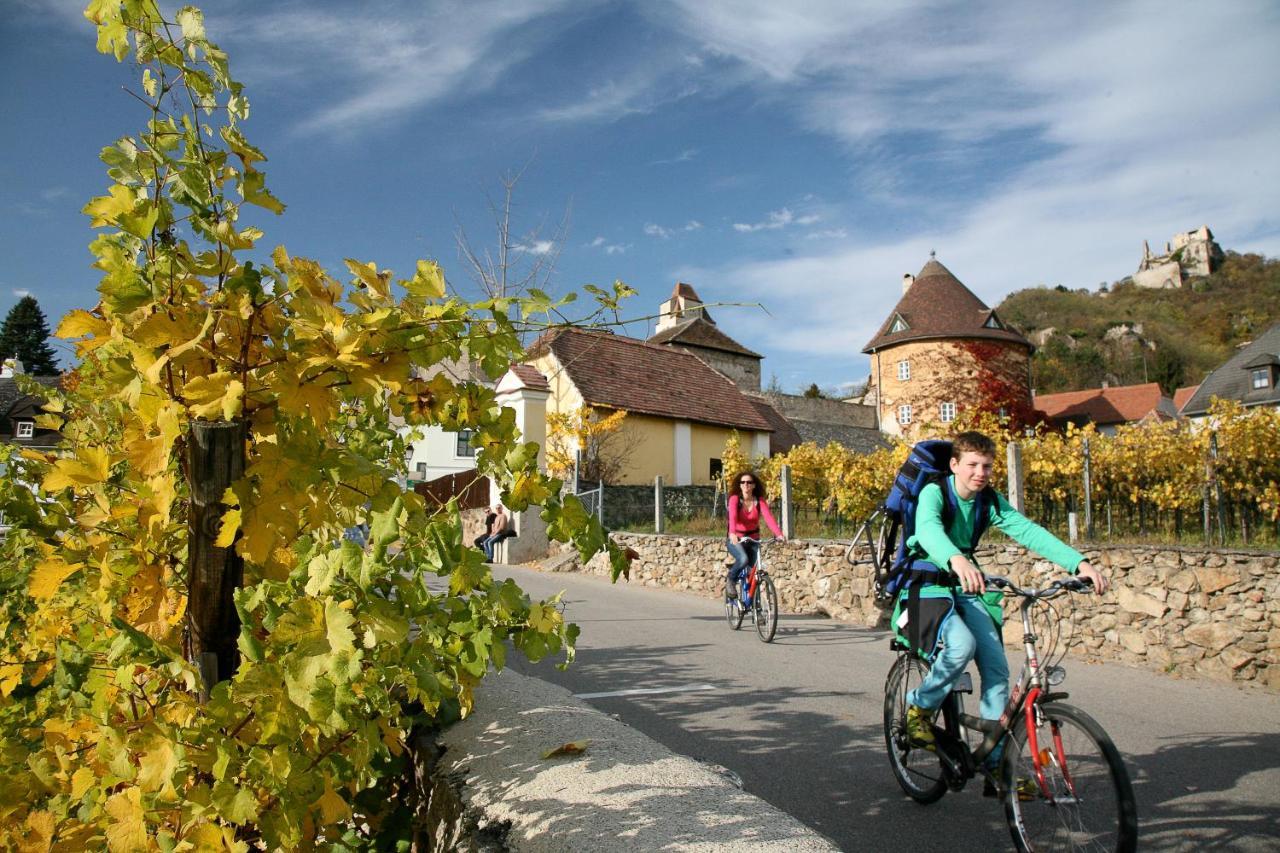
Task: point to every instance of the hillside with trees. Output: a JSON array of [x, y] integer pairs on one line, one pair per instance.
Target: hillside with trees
[[1125, 334]]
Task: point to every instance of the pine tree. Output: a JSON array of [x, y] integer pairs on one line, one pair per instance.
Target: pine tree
[[25, 334]]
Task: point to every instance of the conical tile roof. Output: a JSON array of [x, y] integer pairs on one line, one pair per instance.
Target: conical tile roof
[[938, 305]]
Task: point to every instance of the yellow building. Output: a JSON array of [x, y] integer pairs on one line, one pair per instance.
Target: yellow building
[[942, 351], [680, 412]]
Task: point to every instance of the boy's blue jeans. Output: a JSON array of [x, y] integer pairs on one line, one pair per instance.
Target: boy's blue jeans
[[967, 634]]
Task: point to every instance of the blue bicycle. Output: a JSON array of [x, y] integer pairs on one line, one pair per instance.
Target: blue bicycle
[[757, 595]]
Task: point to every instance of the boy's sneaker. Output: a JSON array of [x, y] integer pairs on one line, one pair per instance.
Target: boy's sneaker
[[1027, 789], [920, 727]]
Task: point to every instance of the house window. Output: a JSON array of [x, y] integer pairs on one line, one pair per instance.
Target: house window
[[421, 468], [26, 429], [904, 414], [464, 447], [716, 470], [904, 370], [1261, 378], [947, 412]]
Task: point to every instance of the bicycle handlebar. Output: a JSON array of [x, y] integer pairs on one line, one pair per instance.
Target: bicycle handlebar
[[1056, 588]]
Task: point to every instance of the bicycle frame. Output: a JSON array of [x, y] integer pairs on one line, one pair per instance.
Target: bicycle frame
[[1031, 689], [748, 582]]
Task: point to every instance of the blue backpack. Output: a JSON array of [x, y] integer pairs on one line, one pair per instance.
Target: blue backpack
[[902, 567]]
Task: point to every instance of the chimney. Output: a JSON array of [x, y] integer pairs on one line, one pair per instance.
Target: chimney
[[907, 281], [1105, 384]]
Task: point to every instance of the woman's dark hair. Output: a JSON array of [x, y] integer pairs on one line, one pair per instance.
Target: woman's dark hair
[[737, 489]]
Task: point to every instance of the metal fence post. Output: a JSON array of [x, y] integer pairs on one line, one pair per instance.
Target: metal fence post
[[785, 501], [1017, 492], [657, 504]]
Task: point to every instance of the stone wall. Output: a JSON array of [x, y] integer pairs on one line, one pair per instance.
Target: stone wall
[[1184, 611]]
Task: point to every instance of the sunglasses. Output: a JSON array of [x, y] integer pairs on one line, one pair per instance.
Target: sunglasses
[[746, 482]]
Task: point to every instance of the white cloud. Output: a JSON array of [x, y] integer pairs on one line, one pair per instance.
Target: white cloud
[[683, 157], [692, 225], [775, 220], [536, 247], [20, 293], [390, 60], [654, 230], [827, 234], [609, 248]]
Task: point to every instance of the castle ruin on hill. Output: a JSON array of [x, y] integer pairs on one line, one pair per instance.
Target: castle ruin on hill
[[1191, 255]]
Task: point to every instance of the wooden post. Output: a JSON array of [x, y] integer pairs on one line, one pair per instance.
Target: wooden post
[[657, 504], [1073, 527], [784, 502], [215, 460], [1017, 493], [1088, 492]]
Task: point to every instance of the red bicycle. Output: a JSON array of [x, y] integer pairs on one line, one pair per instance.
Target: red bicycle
[[1083, 798]]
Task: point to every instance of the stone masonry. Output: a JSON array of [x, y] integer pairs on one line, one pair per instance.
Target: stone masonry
[[1181, 611]]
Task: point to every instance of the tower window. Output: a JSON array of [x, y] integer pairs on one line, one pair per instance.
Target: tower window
[[904, 370]]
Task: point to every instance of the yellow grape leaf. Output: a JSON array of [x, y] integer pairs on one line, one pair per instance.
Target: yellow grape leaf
[[428, 281], [230, 526], [306, 399], [210, 837], [377, 282], [90, 466], [49, 575], [39, 833], [149, 455], [126, 832], [332, 807], [107, 209], [217, 393], [576, 747], [79, 323], [10, 677], [157, 766], [81, 781]]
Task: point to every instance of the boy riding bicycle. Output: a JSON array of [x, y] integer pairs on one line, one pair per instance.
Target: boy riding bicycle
[[972, 628]]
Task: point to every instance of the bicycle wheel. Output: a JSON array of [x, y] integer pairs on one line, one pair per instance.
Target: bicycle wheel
[[1090, 804], [766, 609], [734, 612], [918, 771]]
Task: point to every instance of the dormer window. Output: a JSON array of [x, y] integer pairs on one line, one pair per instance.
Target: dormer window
[[24, 429], [1261, 377], [993, 322], [898, 325]]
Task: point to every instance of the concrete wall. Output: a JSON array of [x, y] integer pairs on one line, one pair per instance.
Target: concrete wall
[[438, 451], [1184, 611]]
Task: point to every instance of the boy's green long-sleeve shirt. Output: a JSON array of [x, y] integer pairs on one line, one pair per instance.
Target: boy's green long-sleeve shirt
[[939, 545]]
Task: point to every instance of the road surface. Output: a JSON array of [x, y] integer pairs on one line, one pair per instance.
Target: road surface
[[799, 721]]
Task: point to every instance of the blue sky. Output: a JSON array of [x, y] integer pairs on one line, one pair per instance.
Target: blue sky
[[803, 158]]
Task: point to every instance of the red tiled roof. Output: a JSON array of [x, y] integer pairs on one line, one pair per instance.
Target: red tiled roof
[[699, 332], [1182, 395], [529, 375], [1104, 406], [624, 373], [937, 305], [685, 290]]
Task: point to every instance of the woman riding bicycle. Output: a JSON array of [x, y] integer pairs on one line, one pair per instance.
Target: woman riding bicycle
[[747, 506]]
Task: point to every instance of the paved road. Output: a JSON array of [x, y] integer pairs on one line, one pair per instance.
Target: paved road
[[800, 722]]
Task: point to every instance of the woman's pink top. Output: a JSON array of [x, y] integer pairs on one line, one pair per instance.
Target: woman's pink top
[[744, 522]]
